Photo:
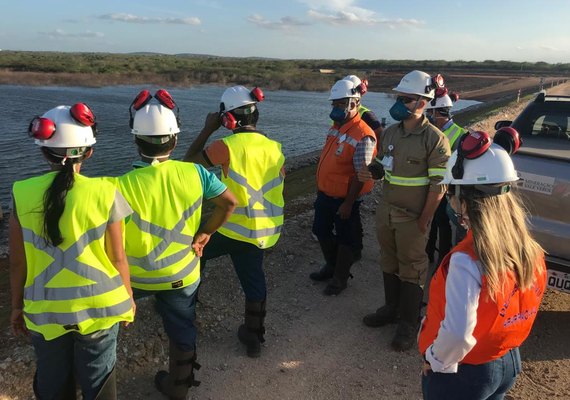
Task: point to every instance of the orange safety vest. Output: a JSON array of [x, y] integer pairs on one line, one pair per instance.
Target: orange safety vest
[[502, 325], [335, 167]]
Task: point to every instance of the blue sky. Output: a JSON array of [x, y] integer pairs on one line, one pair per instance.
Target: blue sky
[[518, 30]]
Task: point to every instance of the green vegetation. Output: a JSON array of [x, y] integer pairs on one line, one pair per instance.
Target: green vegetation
[[183, 70]]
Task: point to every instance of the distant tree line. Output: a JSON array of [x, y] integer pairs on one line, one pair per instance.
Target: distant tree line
[[183, 70]]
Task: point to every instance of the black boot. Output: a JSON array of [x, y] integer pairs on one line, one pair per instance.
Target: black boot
[[344, 260], [388, 313], [329, 249], [251, 332], [411, 296], [109, 389], [176, 383]]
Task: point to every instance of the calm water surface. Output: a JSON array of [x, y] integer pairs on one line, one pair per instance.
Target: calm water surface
[[299, 120]]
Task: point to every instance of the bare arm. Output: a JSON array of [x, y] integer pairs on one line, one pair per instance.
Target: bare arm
[[116, 253], [354, 188], [194, 153], [224, 207], [18, 274]]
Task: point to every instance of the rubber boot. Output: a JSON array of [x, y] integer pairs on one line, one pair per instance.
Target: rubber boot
[[176, 383], [411, 296], [252, 330], [329, 249], [109, 389], [387, 314], [344, 260]]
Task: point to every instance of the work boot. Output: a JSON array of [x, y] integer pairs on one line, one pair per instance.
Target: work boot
[[329, 249], [344, 261], [251, 332], [411, 296], [176, 383], [387, 314], [109, 389], [325, 273]]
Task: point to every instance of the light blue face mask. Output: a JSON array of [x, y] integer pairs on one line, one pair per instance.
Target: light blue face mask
[[399, 111]]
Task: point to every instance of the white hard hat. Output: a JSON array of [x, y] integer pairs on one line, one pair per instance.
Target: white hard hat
[[68, 133], [155, 120], [416, 82], [440, 102], [493, 166], [343, 89], [236, 97], [354, 79]]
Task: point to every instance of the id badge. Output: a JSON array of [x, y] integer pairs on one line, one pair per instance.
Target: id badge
[[339, 149], [387, 162]]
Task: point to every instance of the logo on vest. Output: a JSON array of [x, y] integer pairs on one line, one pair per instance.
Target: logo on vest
[[70, 327], [177, 284]]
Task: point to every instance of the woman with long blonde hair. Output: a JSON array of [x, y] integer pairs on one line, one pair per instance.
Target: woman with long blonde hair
[[485, 295]]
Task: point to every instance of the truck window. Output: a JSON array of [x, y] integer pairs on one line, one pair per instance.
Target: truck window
[[551, 126]]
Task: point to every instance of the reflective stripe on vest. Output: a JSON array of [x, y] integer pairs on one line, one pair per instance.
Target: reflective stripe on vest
[[257, 183], [406, 181], [73, 286], [256, 196], [159, 240], [436, 172], [453, 133]]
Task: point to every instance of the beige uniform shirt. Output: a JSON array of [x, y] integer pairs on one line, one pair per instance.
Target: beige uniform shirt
[[419, 158]]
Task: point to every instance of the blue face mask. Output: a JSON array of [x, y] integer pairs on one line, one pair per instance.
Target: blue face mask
[[399, 111], [338, 114]]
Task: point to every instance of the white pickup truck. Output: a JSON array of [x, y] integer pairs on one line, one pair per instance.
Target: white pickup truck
[[543, 163]]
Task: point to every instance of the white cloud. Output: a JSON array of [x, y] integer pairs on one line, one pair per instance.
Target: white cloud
[[135, 19], [346, 12], [60, 33], [548, 47], [282, 23]]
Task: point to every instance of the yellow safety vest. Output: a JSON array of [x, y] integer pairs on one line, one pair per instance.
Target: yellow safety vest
[[255, 178], [453, 133], [362, 110], [74, 286], [167, 202]]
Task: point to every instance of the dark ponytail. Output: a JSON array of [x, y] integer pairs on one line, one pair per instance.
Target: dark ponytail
[[54, 197]]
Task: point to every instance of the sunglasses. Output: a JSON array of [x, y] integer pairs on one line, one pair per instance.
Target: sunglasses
[[161, 95], [406, 100], [42, 128]]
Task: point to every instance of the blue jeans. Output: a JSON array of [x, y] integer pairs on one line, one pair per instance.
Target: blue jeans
[[489, 381], [247, 260], [88, 359], [178, 311], [328, 224]]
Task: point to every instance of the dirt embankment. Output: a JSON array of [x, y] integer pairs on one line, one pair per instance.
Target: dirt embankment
[[317, 346]]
